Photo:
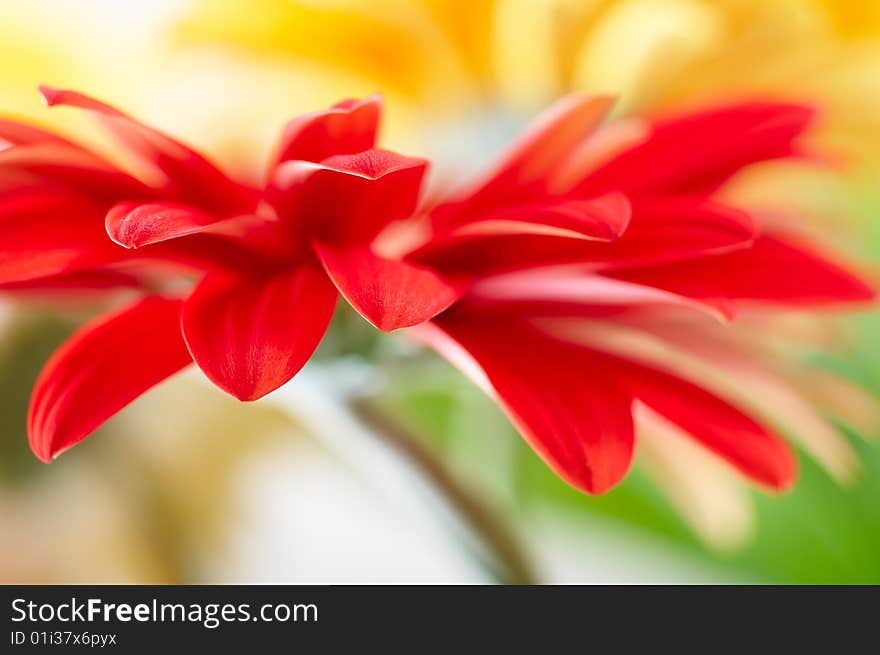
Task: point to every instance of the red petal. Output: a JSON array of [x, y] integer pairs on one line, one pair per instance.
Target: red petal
[[390, 294], [246, 242], [774, 269], [603, 219], [537, 153], [698, 152], [348, 198], [16, 133], [659, 231], [251, 335], [101, 369], [717, 425], [193, 177], [569, 410], [72, 167], [672, 229], [133, 225], [85, 280], [50, 235], [346, 128]]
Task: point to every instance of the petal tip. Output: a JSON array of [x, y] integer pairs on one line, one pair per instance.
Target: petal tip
[[43, 457], [49, 93]]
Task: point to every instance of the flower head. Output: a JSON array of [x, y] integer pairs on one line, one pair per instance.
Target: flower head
[[580, 241], [269, 263], [548, 281]]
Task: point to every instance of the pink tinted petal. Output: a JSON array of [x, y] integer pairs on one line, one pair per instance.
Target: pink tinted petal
[[571, 411], [347, 199], [603, 219], [194, 179], [571, 292], [346, 128], [775, 269], [659, 231], [250, 335], [390, 294], [101, 369]]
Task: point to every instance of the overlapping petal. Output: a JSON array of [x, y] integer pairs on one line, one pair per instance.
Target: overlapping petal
[[567, 291], [604, 218], [389, 293], [659, 231], [193, 178], [716, 424], [532, 160], [16, 133], [567, 406], [346, 128], [774, 269], [61, 164], [50, 232], [135, 225], [250, 335], [700, 151], [347, 199]]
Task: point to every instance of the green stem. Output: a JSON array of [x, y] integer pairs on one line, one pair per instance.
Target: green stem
[[509, 563]]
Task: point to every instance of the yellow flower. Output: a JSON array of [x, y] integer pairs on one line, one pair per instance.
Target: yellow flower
[[490, 60]]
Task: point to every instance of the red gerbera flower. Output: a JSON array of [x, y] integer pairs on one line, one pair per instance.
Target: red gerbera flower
[[271, 261], [578, 234]]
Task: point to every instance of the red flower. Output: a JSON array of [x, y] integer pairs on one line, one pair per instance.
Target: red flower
[[572, 244], [578, 234], [271, 261]]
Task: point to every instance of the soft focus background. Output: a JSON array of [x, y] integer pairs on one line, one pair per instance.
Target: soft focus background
[[430, 483]]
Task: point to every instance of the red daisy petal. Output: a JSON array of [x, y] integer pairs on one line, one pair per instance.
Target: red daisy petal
[[70, 166], [134, 225], [542, 148], [700, 151], [193, 177], [571, 411], [102, 368], [722, 428], [775, 269], [659, 231], [346, 128], [250, 335], [49, 232], [558, 292], [390, 294], [16, 133], [603, 219], [347, 199]]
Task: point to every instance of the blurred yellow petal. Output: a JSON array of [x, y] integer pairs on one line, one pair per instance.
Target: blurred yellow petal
[[399, 46], [637, 45]]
